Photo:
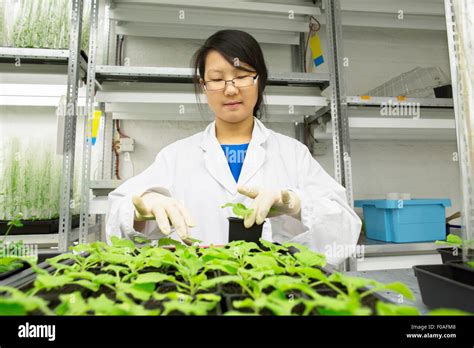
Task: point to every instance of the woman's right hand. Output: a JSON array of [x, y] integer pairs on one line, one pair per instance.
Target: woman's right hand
[[163, 209]]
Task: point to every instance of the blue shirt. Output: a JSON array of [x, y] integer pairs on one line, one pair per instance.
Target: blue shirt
[[235, 155]]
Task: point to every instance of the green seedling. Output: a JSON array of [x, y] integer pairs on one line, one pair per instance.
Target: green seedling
[[451, 240], [11, 254], [123, 279], [239, 209]]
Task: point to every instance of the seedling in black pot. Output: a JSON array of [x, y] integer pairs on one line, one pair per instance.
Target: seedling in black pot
[[237, 230]]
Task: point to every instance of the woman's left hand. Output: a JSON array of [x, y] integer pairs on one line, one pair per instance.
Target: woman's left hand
[[281, 202]]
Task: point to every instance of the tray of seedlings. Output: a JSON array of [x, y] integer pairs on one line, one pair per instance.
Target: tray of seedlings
[[17, 257], [240, 278]]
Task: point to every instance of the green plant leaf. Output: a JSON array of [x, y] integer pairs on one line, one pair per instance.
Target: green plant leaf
[[11, 307], [351, 282], [104, 306], [169, 241], [47, 281], [448, 312], [195, 308], [72, 304], [307, 257], [452, 240], [139, 291], [88, 284], [122, 243], [16, 299], [8, 264], [117, 269], [239, 209], [151, 277], [124, 259], [383, 308], [104, 279], [208, 297], [210, 283], [226, 266]]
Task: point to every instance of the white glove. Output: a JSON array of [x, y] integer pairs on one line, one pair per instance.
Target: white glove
[[163, 209], [281, 202]]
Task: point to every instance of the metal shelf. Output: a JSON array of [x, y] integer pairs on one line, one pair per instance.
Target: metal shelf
[[367, 101], [378, 248], [267, 22], [38, 57], [112, 73], [366, 121], [50, 238]]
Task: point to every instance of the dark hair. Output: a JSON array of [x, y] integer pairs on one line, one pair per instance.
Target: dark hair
[[233, 44]]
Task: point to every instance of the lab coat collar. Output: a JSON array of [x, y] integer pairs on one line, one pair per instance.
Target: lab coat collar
[[216, 161]]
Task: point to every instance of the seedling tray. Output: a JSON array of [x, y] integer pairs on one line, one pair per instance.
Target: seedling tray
[[449, 285], [153, 281], [36, 226], [26, 270], [450, 254]]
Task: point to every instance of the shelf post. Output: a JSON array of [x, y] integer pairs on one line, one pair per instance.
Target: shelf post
[[66, 194], [461, 61], [86, 150], [340, 123]]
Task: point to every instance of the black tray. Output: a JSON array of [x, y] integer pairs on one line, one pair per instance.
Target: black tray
[[446, 286], [41, 258], [449, 254], [237, 231], [36, 226]]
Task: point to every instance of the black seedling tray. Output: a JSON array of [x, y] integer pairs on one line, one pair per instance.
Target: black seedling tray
[[446, 286], [26, 266], [237, 231], [36, 226], [449, 254]]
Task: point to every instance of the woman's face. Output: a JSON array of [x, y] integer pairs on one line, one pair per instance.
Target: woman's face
[[218, 68]]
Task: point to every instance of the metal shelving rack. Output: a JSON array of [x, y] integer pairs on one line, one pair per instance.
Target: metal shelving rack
[[76, 65]]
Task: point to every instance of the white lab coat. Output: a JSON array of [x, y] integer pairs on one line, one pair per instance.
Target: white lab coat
[[195, 171]]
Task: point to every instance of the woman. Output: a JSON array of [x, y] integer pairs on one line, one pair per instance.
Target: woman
[[235, 159]]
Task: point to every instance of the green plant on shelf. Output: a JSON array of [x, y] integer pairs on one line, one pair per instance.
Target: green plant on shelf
[[44, 24], [31, 179], [13, 254], [171, 278]]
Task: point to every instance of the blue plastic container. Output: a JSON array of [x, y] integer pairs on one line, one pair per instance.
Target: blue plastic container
[[405, 221]]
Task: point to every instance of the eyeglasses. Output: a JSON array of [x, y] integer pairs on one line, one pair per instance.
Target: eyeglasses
[[239, 82]]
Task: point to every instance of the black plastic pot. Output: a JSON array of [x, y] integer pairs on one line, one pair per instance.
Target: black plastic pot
[[445, 91], [450, 254], [36, 226], [446, 286], [237, 231]]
